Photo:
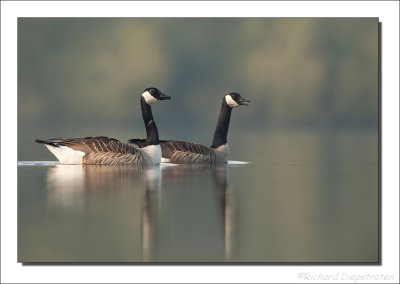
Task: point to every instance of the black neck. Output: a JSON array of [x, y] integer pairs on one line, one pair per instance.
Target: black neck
[[149, 123], [221, 132]]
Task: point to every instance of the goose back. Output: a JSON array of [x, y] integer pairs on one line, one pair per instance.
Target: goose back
[[183, 152]]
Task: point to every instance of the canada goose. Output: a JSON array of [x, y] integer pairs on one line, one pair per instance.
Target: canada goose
[[187, 152], [109, 151]]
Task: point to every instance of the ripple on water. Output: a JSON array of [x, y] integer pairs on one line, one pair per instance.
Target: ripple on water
[[53, 163], [37, 163]]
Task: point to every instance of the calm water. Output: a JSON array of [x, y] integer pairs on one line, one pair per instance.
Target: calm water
[[310, 198]]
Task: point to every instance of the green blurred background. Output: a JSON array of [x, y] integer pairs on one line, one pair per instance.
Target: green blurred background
[[83, 77], [311, 133]]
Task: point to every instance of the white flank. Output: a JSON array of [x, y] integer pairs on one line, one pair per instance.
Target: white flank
[[167, 165], [237, 162], [149, 98], [153, 153], [165, 160], [66, 155], [231, 102]]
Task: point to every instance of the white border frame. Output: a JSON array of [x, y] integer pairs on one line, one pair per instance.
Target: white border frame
[[13, 272]]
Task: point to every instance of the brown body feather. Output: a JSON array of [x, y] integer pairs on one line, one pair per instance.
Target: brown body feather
[[186, 152], [101, 150]]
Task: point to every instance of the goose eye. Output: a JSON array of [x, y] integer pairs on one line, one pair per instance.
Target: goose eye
[[152, 91]]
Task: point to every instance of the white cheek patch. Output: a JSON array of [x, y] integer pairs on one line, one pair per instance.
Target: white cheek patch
[[149, 98], [231, 102]]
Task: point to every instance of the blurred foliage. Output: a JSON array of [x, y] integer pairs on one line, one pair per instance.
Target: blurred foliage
[[84, 76]]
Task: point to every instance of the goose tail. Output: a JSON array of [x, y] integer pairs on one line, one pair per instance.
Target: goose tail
[[47, 142], [65, 154]]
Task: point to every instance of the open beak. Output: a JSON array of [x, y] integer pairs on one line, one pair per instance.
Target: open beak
[[244, 102]]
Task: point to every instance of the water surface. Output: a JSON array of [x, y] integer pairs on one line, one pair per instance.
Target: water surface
[[316, 202]]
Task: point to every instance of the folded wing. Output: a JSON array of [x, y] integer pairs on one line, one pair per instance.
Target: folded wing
[[95, 150], [186, 152]]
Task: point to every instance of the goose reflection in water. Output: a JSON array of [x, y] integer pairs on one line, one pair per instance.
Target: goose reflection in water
[[179, 213], [174, 228], [68, 185]]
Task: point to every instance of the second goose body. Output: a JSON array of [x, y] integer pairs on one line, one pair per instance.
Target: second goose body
[[183, 152], [109, 151]]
